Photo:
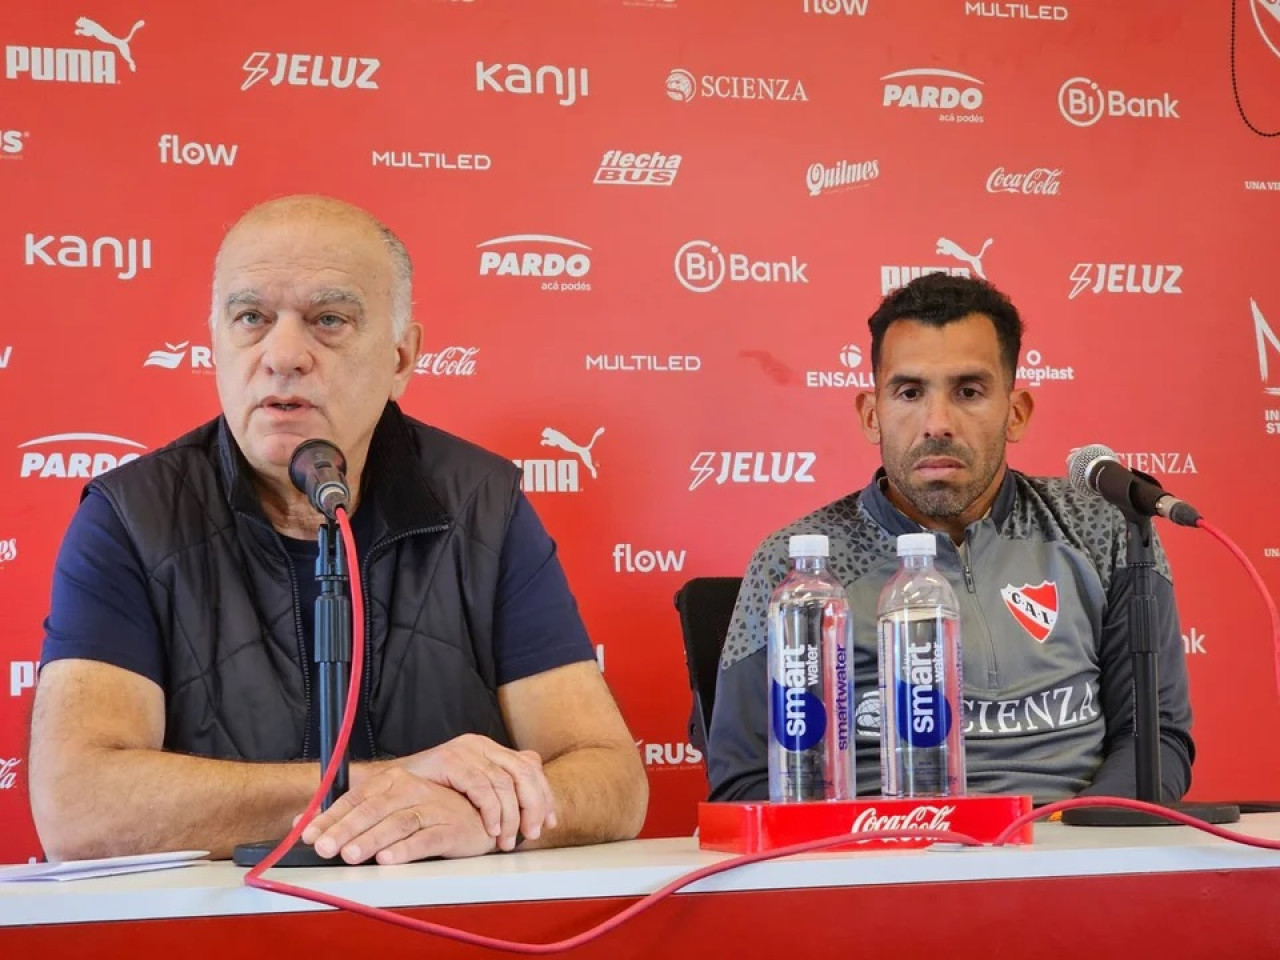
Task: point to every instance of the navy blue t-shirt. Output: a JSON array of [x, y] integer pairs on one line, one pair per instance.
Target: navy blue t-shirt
[[101, 610]]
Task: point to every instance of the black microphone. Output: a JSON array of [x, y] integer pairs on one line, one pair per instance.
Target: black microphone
[[1096, 469], [319, 470]]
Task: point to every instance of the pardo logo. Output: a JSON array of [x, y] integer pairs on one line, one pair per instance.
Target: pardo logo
[[701, 267], [949, 91], [22, 676], [638, 169], [835, 8], [448, 362], [170, 358], [8, 772], [751, 467], [194, 154], [73, 64], [11, 144], [626, 559], [568, 83], [1266, 14], [71, 456], [517, 260], [893, 276], [310, 70], [1146, 278], [850, 377], [1083, 103], [924, 817], [1035, 371], [1039, 181], [128, 256], [682, 87], [559, 476], [670, 755], [8, 551], [840, 176]]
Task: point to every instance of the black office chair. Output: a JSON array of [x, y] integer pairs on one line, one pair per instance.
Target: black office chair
[[705, 605]]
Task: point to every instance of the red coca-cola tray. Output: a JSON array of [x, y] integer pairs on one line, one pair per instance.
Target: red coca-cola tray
[[752, 827]]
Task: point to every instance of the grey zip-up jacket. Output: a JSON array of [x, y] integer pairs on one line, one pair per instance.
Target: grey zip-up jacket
[[1043, 588]]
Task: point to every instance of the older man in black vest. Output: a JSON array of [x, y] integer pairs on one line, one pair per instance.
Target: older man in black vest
[[175, 706]]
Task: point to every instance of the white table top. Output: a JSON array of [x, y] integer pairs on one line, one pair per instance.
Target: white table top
[[632, 869]]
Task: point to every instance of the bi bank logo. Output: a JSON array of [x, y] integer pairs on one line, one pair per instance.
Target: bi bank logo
[[76, 455], [563, 475], [74, 64]]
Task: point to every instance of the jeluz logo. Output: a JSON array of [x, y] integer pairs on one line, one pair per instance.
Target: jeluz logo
[[701, 267], [1083, 103], [682, 87], [448, 362], [1148, 278], [9, 551], [835, 8], [567, 83], [638, 169], [670, 755], [1016, 11], [849, 377], [22, 676], [310, 70], [74, 64], [9, 772], [562, 475], [517, 260], [841, 176], [893, 276], [1267, 339], [1193, 643], [1266, 14], [171, 357], [751, 467], [128, 256], [1035, 371], [11, 144], [958, 94], [1035, 609], [80, 455], [1037, 182], [627, 559], [196, 154]]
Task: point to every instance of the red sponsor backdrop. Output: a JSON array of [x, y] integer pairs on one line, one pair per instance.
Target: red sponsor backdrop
[[647, 235]]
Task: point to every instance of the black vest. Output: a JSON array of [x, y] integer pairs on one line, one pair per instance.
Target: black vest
[[225, 601]]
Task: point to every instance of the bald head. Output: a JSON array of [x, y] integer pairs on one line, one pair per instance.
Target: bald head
[[322, 213]]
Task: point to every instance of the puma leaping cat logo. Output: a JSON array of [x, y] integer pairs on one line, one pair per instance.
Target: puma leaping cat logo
[[951, 249], [554, 438], [87, 28]]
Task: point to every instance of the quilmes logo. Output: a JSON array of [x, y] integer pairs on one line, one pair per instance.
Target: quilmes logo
[[1016, 11], [1037, 182], [744, 466], [127, 256], [840, 176], [192, 153], [683, 86], [701, 267], [11, 144], [80, 455], [1083, 103], [638, 169], [8, 772], [311, 70], [563, 475], [9, 551], [1266, 14], [173, 354], [850, 376], [1035, 371], [448, 362], [1147, 278], [567, 83], [475, 162], [837, 8], [74, 64], [893, 276], [540, 255], [22, 676], [670, 755], [627, 559], [957, 95]]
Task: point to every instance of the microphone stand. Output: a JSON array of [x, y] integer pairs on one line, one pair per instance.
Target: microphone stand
[[333, 658], [1143, 653]]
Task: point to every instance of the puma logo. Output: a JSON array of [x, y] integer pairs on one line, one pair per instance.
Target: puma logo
[[951, 249], [88, 28], [554, 438]]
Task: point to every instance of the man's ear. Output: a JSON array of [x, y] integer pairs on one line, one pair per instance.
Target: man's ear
[[1021, 406], [865, 403], [406, 357]]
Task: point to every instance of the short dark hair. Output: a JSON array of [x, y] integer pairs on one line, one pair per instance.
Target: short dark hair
[[937, 299]]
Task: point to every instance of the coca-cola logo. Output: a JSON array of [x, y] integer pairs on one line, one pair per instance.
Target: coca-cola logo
[[8, 550], [1041, 182], [449, 362], [924, 817], [8, 773]]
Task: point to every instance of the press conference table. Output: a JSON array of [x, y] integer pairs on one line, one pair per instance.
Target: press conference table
[[1166, 892]]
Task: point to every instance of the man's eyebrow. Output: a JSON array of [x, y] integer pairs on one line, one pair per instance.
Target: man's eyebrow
[[964, 376], [330, 295], [243, 298]]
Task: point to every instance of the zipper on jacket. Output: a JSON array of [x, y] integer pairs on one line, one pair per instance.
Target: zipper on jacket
[[993, 666]]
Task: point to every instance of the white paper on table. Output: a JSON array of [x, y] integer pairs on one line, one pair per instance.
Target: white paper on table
[[104, 867]]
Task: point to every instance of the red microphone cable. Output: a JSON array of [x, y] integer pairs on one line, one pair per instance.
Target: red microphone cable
[[1239, 554]]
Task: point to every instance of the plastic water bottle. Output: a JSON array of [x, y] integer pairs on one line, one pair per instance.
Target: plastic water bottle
[[810, 680], [921, 711]]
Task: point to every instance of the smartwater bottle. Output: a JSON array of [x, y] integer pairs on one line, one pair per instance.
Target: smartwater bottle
[[810, 680], [921, 711]]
